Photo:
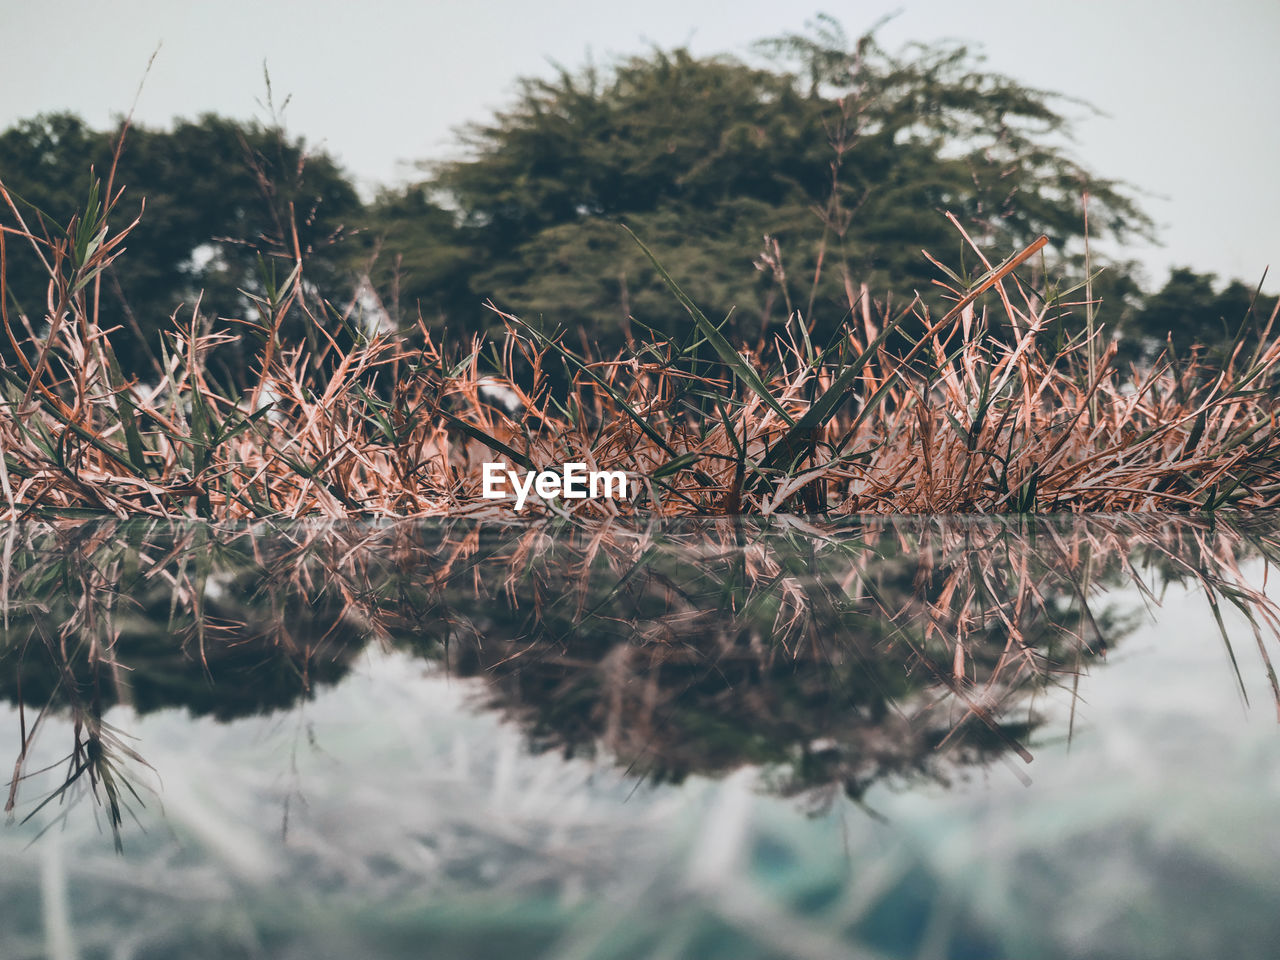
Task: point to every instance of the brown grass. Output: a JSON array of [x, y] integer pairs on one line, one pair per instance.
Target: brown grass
[[977, 414]]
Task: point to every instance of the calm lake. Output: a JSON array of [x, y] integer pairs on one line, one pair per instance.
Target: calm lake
[[918, 738]]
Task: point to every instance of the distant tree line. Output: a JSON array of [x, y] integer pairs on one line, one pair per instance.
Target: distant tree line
[[768, 187]]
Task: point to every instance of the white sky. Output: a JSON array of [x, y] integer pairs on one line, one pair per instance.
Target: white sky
[[1189, 88]]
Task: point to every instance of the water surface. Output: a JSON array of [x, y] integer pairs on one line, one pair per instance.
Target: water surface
[[945, 737]]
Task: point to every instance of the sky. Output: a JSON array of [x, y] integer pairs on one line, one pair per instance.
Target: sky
[[1186, 91]]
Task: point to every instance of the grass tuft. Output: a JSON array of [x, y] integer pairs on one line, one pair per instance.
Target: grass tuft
[[979, 410]]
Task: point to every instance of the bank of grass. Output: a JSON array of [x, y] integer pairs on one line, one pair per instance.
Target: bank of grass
[[987, 408]]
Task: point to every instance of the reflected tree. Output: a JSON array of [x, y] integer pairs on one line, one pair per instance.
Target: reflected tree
[[834, 656]]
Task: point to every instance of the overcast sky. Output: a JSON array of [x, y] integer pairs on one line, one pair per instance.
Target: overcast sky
[[1188, 88]]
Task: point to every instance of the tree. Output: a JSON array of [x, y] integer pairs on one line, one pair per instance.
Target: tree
[[1187, 311], [844, 154], [222, 202], [415, 254], [46, 165]]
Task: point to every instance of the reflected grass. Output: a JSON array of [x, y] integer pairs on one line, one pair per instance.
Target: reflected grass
[[834, 656]]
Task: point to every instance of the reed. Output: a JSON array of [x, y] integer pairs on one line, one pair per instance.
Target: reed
[[986, 408]]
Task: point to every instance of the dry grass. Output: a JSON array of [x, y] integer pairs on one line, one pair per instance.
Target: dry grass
[[974, 415]]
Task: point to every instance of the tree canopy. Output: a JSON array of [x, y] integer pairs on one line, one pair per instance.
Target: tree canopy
[[844, 154], [220, 201], [766, 187]]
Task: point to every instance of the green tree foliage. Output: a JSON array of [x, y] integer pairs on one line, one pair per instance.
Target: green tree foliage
[[1187, 311], [415, 254], [46, 165], [222, 202], [846, 155]]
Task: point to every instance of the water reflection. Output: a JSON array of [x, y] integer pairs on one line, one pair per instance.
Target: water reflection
[[832, 656]]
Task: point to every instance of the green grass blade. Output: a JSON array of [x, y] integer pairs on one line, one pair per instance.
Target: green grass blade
[[796, 440], [730, 356]]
